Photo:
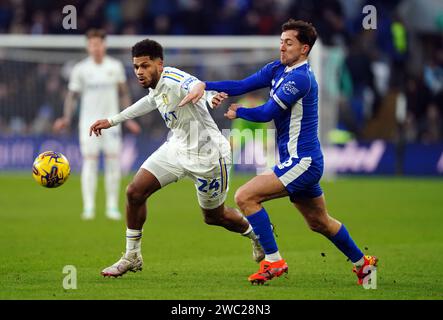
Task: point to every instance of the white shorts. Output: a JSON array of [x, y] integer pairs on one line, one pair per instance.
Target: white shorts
[[210, 179], [110, 142]]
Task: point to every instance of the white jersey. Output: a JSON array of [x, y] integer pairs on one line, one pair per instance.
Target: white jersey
[[194, 132], [98, 86]]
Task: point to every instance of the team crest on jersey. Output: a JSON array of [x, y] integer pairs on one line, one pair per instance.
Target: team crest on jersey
[[289, 88], [165, 99]]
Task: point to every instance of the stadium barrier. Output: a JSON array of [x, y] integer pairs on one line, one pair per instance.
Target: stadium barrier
[[362, 158]]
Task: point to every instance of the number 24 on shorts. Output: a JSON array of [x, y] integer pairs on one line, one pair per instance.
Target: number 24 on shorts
[[208, 185]]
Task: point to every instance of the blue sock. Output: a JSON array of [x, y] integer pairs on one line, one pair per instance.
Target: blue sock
[[344, 242], [262, 228]]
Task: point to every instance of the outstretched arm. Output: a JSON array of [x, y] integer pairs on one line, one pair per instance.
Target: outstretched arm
[[239, 87], [263, 113], [141, 107], [230, 87], [260, 79]]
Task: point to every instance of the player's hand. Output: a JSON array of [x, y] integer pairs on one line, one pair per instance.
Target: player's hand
[[60, 124], [194, 95], [231, 114], [98, 126], [133, 126], [218, 99]]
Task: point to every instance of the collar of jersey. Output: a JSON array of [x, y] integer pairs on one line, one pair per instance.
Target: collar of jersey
[[287, 69], [91, 60]]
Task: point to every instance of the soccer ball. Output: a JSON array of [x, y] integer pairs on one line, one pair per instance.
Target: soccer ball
[[51, 169]]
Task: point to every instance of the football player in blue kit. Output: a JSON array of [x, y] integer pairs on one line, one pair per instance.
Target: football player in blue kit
[[293, 105]]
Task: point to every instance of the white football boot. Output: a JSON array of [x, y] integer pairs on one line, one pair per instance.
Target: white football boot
[[129, 262], [88, 214], [257, 251], [113, 214]]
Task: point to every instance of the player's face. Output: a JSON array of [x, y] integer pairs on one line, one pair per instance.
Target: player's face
[[96, 48], [292, 50], [148, 71]]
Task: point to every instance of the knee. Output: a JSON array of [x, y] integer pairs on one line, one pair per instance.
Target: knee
[[319, 224], [134, 195], [243, 198]]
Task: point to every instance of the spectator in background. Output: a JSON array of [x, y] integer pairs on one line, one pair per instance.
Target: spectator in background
[[330, 22], [358, 64], [431, 124], [195, 16], [418, 97], [38, 23], [6, 15], [433, 74], [113, 16], [161, 17]]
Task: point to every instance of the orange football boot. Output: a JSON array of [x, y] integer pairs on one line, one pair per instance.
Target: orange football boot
[[360, 272], [268, 270]]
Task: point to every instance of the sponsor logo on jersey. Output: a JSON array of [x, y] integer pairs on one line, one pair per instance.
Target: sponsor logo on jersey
[[289, 88]]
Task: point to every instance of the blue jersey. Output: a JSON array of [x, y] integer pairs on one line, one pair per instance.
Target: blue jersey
[[293, 105]]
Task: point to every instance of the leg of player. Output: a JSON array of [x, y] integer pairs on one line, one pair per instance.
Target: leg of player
[[142, 186], [315, 213], [249, 198], [89, 185], [232, 220], [112, 185]]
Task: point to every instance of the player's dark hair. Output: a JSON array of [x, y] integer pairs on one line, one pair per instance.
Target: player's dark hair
[[96, 33], [306, 31], [149, 48]]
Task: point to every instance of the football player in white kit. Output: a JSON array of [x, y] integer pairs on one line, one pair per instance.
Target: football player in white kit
[[100, 80], [196, 149]]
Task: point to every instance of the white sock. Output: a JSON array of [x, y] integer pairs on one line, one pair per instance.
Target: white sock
[[273, 257], [360, 262], [249, 233], [112, 181], [89, 183], [133, 241]]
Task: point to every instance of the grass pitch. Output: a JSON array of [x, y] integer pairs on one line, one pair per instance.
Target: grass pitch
[[399, 220]]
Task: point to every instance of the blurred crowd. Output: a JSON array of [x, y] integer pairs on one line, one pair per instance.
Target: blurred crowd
[[390, 78]]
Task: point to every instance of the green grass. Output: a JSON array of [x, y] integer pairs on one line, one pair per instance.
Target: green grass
[[399, 220]]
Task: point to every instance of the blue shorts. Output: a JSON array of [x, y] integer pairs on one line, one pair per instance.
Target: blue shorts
[[301, 177]]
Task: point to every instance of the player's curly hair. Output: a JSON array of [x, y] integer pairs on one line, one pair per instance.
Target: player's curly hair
[[148, 48], [306, 31]]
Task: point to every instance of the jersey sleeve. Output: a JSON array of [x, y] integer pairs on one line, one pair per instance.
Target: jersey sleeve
[[293, 88], [263, 113], [258, 80], [75, 80], [139, 108]]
